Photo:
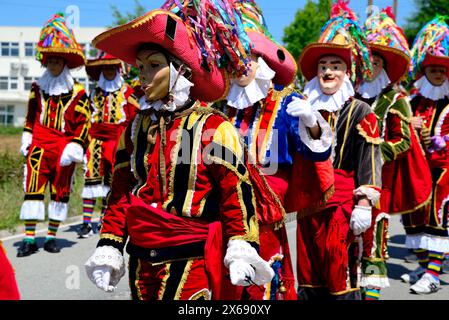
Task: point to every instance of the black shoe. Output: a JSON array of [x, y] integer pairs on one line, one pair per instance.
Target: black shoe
[[51, 246], [27, 248], [85, 231]]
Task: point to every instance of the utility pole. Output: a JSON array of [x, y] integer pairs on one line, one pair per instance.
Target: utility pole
[[395, 8], [369, 7]]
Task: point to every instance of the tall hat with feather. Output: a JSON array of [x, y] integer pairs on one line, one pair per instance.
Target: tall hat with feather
[[57, 39], [341, 36], [206, 35], [431, 47], [387, 40], [263, 44], [94, 66]]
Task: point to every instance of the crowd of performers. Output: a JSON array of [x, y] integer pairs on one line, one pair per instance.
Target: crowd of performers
[[199, 161]]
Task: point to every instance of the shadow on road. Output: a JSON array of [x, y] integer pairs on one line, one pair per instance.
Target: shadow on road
[[398, 239], [62, 243]]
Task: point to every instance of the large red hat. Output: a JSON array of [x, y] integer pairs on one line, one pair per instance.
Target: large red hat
[[94, 66], [312, 53], [170, 32], [387, 40], [56, 39], [341, 36], [263, 44]]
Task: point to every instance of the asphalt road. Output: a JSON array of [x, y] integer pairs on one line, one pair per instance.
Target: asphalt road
[[62, 276]]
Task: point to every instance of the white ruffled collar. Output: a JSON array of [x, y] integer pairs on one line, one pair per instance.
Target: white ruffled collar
[[428, 90], [55, 86], [372, 89], [111, 85], [330, 103], [179, 93], [244, 97]]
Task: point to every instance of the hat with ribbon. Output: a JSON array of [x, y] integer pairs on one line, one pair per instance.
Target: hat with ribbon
[[57, 39]]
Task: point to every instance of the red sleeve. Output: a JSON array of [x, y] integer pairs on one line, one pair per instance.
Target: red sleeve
[[33, 108], [78, 118], [132, 105], [238, 207], [113, 230]]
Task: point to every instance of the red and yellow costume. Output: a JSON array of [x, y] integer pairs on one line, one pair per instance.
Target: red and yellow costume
[[111, 113], [181, 185], [324, 239], [54, 120], [406, 180]]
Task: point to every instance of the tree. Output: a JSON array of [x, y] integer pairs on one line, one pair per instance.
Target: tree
[[122, 18], [307, 25], [426, 11]]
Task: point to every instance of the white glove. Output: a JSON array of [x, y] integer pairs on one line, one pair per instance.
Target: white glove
[[72, 152], [102, 278], [26, 142], [302, 109], [105, 267], [360, 219], [240, 259], [241, 273]]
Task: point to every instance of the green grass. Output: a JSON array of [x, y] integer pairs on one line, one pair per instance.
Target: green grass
[[10, 130], [11, 191]]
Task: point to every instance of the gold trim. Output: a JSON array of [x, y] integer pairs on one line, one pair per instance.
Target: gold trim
[[345, 137], [369, 139], [111, 236], [183, 280], [136, 282], [103, 62], [164, 281]]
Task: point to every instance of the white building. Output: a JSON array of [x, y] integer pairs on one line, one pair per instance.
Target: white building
[[19, 68]]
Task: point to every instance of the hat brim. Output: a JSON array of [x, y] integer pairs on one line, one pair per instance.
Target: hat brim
[[432, 60], [74, 58], [312, 53], [397, 62], [277, 57], [94, 67], [175, 37]]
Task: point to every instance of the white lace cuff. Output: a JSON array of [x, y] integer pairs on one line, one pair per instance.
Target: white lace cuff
[[372, 194], [316, 145], [106, 256]]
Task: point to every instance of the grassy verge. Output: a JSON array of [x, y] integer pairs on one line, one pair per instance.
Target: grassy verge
[[11, 185]]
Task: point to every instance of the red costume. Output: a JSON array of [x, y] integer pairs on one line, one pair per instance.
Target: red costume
[[180, 175]]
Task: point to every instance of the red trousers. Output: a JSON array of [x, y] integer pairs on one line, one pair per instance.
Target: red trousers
[[273, 243], [323, 241], [43, 167], [101, 153], [177, 280]]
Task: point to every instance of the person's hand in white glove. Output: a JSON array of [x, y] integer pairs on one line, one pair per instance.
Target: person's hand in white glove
[[241, 273], [245, 265], [26, 142], [102, 278], [302, 109], [360, 219], [105, 267], [73, 152]]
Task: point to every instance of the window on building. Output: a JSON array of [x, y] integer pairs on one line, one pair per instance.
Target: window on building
[[13, 83], [3, 83], [9, 49], [30, 49], [28, 81], [6, 114], [9, 83]]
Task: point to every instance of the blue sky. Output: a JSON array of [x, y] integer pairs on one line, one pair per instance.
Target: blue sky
[[97, 13]]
